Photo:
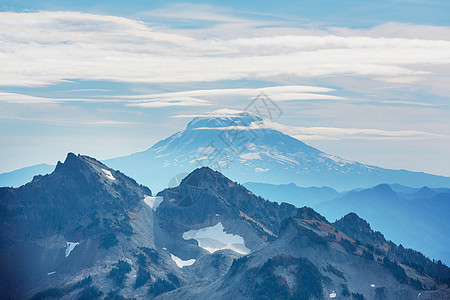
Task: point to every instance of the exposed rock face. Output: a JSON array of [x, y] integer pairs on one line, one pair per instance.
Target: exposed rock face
[[77, 189], [64, 223], [359, 229], [418, 223], [205, 197], [305, 263]]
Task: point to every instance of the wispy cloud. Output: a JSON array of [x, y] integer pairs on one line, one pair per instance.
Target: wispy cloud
[[170, 101], [49, 47], [23, 99], [191, 97], [183, 98], [18, 98], [333, 133], [414, 103], [71, 121], [270, 90], [216, 113], [192, 12], [318, 133]]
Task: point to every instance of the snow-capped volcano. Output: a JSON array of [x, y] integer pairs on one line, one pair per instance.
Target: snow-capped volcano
[[247, 148]]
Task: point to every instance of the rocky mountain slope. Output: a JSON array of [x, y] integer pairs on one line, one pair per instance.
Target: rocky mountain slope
[[418, 223], [75, 225], [87, 231], [414, 217], [360, 230], [311, 259]]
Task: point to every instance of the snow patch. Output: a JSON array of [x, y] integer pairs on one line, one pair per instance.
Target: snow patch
[[108, 174], [340, 161], [372, 285], [260, 170], [153, 202], [215, 238], [284, 159], [70, 246], [182, 263], [333, 295]]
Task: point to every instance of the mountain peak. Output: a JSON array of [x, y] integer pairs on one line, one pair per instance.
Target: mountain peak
[[202, 177], [71, 160], [81, 164], [352, 222], [383, 188], [223, 120], [358, 228], [353, 218], [425, 192]]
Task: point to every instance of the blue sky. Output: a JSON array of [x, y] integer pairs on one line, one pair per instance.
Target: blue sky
[[365, 80]]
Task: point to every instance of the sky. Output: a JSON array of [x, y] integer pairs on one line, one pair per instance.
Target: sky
[[365, 80]]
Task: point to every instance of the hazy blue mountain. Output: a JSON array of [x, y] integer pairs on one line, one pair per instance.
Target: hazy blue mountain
[[403, 189], [240, 148], [417, 192], [293, 194], [422, 193], [21, 176], [88, 231], [418, 223]]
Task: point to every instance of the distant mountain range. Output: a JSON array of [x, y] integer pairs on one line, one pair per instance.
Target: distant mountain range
[[242, 147], [87, 231], [21, 176], [415, 217]]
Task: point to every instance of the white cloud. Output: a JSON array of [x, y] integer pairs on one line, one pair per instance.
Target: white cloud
[[402, 79], [191, 97], [271, 91], [192, 12], [216, 113], [330, 133], [71, 121], [303, 96], [17, 98], [396, 30], [333, 133], [183, 98], [407, 102], [49, 47], [175, 101]]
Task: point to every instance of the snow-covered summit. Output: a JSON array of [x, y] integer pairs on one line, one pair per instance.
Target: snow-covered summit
[[223, 120], [247, 148]]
